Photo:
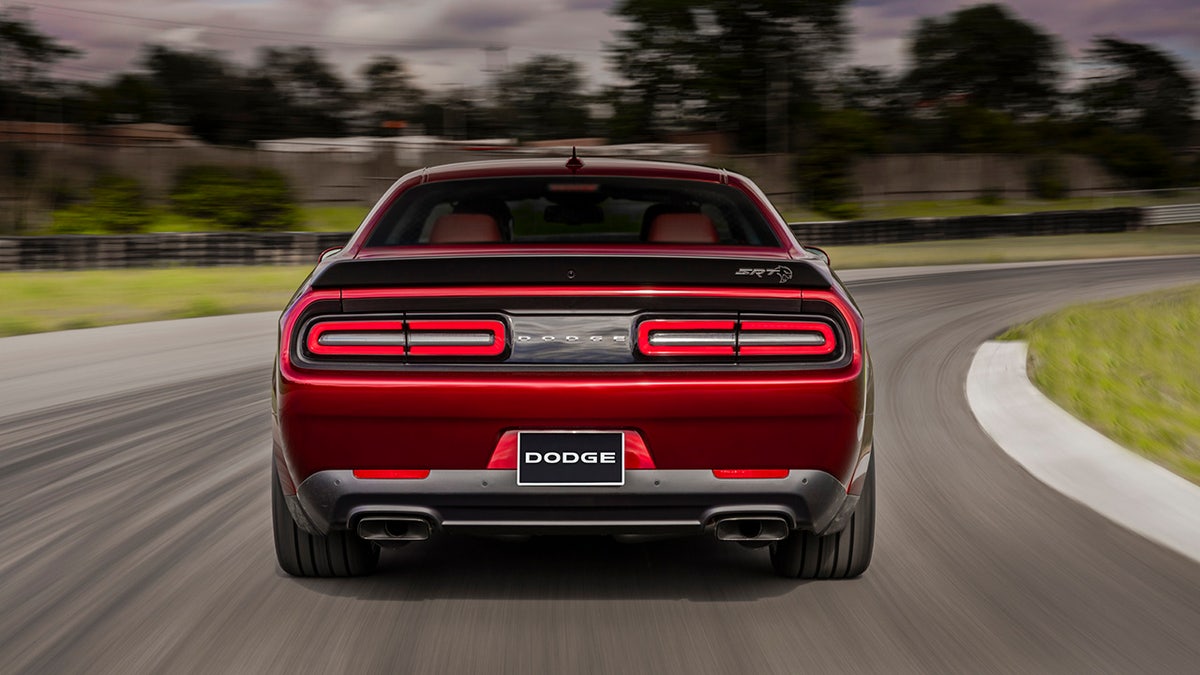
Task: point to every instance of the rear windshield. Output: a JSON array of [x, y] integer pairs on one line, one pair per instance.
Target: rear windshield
[[573, 210]]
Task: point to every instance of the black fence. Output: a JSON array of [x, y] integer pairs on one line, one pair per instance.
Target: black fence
[[200, 249], [71, 252], [898, 230]]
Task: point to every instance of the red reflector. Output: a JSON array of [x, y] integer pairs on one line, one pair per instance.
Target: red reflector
[[391, 473], [751, 473]]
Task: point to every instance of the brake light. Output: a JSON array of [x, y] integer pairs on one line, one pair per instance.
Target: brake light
[[670, 337], [751, 473]]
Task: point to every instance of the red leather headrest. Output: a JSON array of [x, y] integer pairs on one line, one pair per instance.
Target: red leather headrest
[[683, 228], [465, 228]]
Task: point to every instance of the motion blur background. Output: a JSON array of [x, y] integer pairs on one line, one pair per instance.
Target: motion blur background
[[272, 115]]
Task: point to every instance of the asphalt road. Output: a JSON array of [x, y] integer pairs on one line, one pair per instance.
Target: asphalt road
[[136, 534]]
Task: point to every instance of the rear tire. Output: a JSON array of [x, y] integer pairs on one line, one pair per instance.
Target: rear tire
[[300, 554], [840, 555]]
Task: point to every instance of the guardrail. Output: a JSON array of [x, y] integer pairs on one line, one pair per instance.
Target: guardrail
[[1173, 214], [899, 230]]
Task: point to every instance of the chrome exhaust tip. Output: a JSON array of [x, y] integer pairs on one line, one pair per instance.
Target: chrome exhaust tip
[[394, 529], [753, 529]]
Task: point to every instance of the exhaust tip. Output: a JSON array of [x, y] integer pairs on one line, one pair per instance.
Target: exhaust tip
[[752, 529], [394, 529]]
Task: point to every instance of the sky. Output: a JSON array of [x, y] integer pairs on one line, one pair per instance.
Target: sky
[[452, 43]]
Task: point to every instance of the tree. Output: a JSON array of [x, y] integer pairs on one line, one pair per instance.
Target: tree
[[1139, 88], [26, 56], [390, 93], [199, 90], [311, 99], [727, 65], [543, 98], [986, 57]]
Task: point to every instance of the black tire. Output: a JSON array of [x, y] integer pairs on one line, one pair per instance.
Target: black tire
[[300, 554], [841, 555]]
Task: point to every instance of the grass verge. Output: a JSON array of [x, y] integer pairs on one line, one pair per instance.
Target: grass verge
[[35, 302], [1168, 240], [1130, 368], [950, 208], [339, 218]]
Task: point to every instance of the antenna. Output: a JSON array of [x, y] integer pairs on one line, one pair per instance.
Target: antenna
[[574, 163]]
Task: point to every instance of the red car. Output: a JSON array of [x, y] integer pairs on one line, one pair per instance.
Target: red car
[[573, 346]]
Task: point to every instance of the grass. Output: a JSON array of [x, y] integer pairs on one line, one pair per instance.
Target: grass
[[35, 302], [1167, 240], [1130, 368], [950, 208]]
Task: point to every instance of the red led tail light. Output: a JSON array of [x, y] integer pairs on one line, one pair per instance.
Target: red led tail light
[[673, 337], [786, 338], [474, 337], [357, 338]]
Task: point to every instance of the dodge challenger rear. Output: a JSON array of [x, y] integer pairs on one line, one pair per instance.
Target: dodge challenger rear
[[573, 347]]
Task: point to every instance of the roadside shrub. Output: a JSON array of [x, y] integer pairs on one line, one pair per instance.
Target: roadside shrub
[[990, 196], [1047, 179], [235, 198], [116, 205]]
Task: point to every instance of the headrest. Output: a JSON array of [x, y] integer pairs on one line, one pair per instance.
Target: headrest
[[465, 228], [683, 228]]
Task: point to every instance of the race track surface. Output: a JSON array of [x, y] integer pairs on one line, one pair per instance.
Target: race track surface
[[136, 534]]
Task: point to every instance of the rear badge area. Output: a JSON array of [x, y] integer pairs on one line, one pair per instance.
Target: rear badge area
[[571, 458]]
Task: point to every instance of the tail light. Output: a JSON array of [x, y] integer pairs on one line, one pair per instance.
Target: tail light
[[751, 473], [357, 338], [751, 338], [456, 338], [668, 337], [422, 338], [785, 338]]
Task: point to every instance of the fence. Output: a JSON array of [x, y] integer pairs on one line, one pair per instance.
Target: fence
[[898, 230], [201, 249], [302, 248]]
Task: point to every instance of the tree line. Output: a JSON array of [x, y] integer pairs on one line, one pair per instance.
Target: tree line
[[770, 76]]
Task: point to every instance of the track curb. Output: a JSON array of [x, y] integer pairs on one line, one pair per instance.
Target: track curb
[[1076, 460]]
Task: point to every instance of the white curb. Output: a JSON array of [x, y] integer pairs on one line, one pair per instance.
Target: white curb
[[1075, 459]]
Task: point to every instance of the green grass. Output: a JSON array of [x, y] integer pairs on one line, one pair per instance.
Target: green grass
[[35, 302], [1167, 240], [1130, 368], [950, 208], [312, 219]]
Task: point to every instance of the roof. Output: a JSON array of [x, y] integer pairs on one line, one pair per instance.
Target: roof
[[592, 166]]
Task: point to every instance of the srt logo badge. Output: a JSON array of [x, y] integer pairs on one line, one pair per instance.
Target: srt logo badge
[[784, 273]]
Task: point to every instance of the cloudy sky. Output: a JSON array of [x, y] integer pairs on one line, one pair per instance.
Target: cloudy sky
[[455, 42]]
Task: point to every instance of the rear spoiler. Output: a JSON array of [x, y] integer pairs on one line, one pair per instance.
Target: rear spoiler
[[526, 270]]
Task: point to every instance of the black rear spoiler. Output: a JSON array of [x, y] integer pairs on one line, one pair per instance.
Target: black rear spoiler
[[526, 270]]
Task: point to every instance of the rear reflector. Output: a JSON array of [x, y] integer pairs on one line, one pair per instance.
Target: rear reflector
[[391, 473], [751, 473]]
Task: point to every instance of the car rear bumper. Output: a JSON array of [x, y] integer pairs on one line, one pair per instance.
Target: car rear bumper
[[650, 502]]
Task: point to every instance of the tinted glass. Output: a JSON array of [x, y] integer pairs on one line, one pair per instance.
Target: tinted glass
[[573, 210]]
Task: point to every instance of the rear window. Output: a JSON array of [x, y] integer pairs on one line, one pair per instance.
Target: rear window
[[573, 210]]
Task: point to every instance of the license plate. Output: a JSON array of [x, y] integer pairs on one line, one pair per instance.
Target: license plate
[[589, 458]]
